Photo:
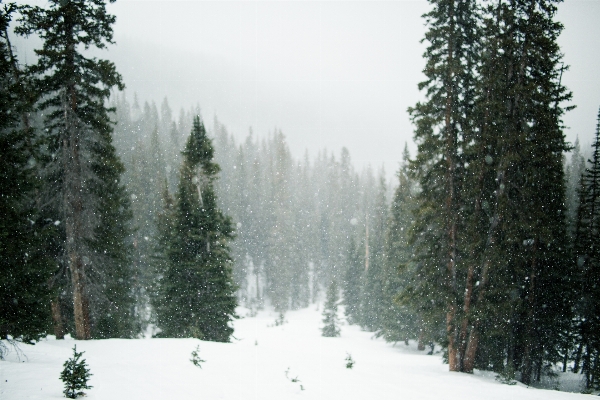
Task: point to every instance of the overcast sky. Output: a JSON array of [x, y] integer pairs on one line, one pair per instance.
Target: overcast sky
[[327, 73]]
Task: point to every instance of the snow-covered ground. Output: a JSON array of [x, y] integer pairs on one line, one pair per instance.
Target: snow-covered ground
[[254, 366]]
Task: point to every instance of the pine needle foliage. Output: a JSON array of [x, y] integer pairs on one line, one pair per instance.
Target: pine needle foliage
[[330, 318], [196, 295], [26, 269], [81, 169], [75, 375]]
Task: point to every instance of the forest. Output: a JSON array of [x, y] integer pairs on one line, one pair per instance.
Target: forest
[[122, 218]]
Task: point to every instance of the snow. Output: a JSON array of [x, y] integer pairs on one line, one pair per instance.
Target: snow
[[254, 366]]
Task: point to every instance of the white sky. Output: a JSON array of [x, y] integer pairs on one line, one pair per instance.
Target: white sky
[[327, 73]]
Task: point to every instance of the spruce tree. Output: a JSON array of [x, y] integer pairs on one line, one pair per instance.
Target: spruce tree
[[330, 308], [399, 321], [196, 294], [372, 302], [75, 375], [444, 124], [26, 268], [81, 160], [352, 284], [587, 261], [523, 249]]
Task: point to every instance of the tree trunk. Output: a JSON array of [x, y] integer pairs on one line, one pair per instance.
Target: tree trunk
[[465, 321], [421, 344], [471, 350], [527, 372], [80, 302], [57, 321], [73, 208], [577, 358]]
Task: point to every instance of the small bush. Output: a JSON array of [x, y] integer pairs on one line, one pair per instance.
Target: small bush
[[349, 361], [75, 375], [507, 376], [196, 360]]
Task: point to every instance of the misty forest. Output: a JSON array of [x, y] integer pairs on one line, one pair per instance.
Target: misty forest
[[122, 217]]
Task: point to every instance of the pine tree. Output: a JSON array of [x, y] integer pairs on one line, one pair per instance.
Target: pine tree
[[574, 171], [279, 262], [491, 144], [443, 126], [372, 301], [196, 295], [75, 375], [399, 321], [522, 252], [352, 284], [26, 269], [587, 260], [330, 318], [81, 159]]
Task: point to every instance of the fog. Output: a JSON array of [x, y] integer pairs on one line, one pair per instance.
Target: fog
[[328, 74]]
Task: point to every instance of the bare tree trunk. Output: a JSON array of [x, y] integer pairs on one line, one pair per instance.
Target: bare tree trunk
[[527, 372], [57, 321], [577, 360], [453, 359], [421, 345], [471, 348], [73, 201], [80, 301], [465, 320]]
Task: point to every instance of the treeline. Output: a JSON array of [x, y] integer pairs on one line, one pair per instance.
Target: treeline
[[495, 267], [293, 219]]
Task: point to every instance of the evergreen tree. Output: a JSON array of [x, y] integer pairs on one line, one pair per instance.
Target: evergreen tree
[[280, 260], [81, 160], [352, 284], [491, 144], [330, 318], [518, 171], [196, 292], [443, 126], [26, 269], [399, 321], [372, 301], [587, 260], [574, 171], [75, 375]]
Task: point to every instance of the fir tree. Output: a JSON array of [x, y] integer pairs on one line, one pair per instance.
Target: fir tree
[[330, 318], [196, 292], [372, 301], [587, 260], [443, 125], [518, 169], [75, 375], [81, 160], [26, 268], [352, 284], [399, 321]]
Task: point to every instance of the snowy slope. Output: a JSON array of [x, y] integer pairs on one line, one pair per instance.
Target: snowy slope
[[254, 367]]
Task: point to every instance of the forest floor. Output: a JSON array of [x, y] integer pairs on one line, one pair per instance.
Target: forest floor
[[263, 362]]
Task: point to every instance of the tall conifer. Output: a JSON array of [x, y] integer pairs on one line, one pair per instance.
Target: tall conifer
[[81, 158], [196, 295], [26, 268], [443, 126], [587, 260]]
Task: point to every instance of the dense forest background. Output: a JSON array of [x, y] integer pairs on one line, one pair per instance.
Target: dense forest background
[[121, 219]]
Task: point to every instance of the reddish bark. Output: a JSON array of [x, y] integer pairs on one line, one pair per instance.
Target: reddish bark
[[57, 321]]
